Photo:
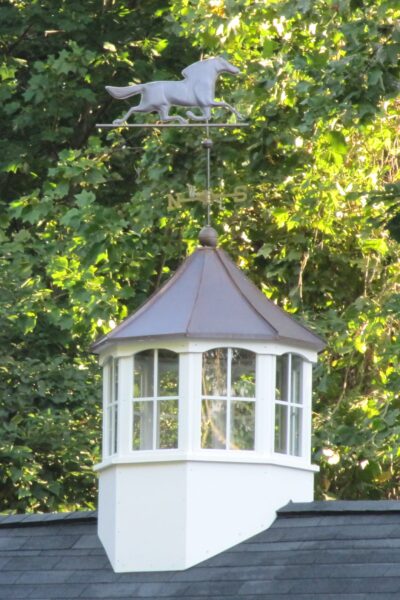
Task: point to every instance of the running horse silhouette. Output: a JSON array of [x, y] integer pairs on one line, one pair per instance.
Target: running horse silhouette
[[197, 89]]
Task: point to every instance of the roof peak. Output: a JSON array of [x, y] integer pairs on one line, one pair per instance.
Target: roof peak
[[209, 297], [332, 507], [292, 509], [32, 519]]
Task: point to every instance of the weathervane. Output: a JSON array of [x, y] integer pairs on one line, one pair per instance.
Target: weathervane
[[196, 90]]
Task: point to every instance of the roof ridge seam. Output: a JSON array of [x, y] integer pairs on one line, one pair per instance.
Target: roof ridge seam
[[285, 514], [197, 293], [37, 519], [244, 295], [145, 305], [294, 317]]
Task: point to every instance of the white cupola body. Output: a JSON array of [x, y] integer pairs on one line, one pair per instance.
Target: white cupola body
[[207, 418]]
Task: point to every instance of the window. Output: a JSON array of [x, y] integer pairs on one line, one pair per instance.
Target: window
[[155, 400], [228, 399], [112, 406], [289, 404]]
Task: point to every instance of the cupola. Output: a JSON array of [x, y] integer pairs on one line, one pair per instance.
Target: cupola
[[207, 417]]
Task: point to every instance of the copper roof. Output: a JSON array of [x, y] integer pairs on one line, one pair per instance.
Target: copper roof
[[209, 297]]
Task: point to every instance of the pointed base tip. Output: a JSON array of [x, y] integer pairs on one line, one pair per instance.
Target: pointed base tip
[[208, 237]]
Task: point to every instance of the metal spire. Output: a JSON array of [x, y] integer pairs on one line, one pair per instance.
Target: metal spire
[[207, 145]]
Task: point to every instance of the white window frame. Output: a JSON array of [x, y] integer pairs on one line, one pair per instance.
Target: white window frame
[[155, 399], [229, 399], [111, 407], [290, 405]]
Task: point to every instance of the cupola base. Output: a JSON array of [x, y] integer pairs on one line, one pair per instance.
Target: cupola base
[[169, 516]]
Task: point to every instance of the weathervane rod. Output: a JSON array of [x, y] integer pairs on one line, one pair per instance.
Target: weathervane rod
[[208, 145]]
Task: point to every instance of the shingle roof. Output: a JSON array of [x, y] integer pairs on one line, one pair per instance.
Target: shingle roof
[[209, 297], [320, 550]]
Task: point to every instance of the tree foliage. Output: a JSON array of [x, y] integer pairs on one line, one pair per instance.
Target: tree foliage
[[86, 235]]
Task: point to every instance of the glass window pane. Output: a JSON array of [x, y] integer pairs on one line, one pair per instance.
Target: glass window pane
[[167, 424], [242, 425], [215, 372], [295, 430], [168, 373], [142, 425], [281, 428], [213, 424], [297, 396], [282, 363], [143, 374], [243, 374]]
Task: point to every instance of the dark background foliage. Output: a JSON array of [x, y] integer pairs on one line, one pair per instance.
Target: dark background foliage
[[86, 233]]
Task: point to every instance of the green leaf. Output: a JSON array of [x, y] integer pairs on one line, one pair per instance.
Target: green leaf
[[337, 142], [85, 198]]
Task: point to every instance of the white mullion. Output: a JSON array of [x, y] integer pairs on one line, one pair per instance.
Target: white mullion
[[195, 394], [289, 405], [115, 379], [185, 405], [261, 425], [109, 431], [111, 449], [106, 375], [124, 402], [131, 416], [114, 406], [132, 405], [115, 425], [110, 405], [155, 399], [306, 414], [273, 395], [228, 400]]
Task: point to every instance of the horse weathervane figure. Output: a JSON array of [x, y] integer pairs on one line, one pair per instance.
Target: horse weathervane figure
[[196, 90]]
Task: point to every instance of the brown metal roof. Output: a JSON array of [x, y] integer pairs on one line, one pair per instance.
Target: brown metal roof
[[209, 297]]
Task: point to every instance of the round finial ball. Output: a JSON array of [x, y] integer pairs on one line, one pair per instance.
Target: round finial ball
[[208, 237], [207, 143]]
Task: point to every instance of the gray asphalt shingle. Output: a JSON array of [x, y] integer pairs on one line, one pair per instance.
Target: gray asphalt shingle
[[327, 551]]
